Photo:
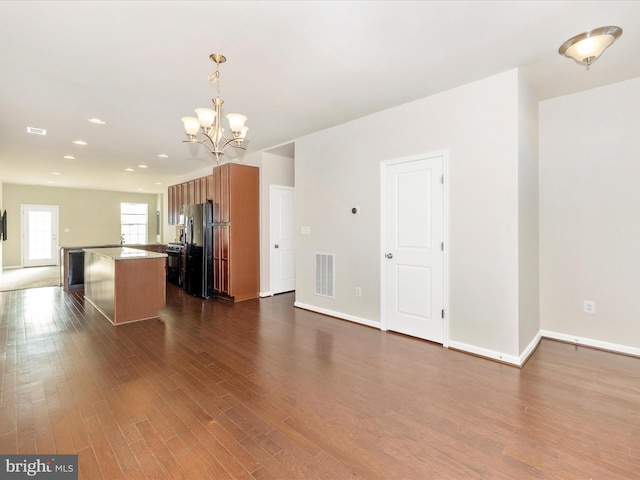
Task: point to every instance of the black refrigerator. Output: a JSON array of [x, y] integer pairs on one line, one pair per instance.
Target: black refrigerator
[[198, 240]]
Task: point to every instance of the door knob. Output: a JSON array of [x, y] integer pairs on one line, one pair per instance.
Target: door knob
[[388, 255], [276, 246]]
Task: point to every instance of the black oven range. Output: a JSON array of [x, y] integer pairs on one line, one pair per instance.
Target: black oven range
[[174, 260]]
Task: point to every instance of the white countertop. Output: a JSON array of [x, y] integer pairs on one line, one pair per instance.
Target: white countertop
[[124, 253]]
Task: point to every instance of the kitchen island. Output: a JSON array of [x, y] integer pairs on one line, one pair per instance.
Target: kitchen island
[[125, 284], [72, 261]]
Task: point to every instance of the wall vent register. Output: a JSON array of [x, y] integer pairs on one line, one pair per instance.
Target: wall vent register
[[325, 274]]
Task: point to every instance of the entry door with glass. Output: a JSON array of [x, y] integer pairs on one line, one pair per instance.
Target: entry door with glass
[[39, 235]]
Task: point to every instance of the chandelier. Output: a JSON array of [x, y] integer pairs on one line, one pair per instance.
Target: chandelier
[[209, 121]]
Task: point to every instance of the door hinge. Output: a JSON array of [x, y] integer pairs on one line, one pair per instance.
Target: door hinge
[[443, 313], [442, 246], [442, 179]]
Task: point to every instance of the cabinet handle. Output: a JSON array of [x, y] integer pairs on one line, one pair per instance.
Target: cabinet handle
[[388, 255], [276, 246]]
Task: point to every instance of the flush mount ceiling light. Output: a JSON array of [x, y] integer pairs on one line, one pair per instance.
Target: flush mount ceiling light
[[36, 131], [587, 47], [209, 122]]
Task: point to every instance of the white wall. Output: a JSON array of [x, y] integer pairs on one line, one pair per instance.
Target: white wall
[[338, 168], [589, 220], [528, 218]]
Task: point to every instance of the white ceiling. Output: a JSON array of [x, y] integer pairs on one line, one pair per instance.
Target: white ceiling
[[292, 67]]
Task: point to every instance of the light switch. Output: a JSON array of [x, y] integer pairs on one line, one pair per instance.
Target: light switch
[[305, 230]]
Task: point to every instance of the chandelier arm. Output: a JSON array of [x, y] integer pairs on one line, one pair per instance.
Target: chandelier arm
[[213, 148], [230, 143], [202, 142]]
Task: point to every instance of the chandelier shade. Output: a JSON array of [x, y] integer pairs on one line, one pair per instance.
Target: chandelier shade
[[206, 129], [587, 47]]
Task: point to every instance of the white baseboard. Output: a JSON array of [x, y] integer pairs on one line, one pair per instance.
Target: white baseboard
[[528, 351], [266, 294], [485, 352], [590, 342], [340, 315], [515, 360]]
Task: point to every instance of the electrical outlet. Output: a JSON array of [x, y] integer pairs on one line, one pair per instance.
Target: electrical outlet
[[589, 306], [358, 292]]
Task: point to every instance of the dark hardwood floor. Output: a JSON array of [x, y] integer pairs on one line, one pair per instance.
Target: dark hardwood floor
[[261, 390]]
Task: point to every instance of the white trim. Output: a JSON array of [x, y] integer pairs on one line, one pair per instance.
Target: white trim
[[444, 154], [484, 352], [445, 239], [266, 294], [590, 342], [342, 316], [529, 349]]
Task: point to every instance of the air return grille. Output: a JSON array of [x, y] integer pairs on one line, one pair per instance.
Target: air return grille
[[325, 274]]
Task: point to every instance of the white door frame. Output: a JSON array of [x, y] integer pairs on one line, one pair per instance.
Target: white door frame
[[444, 154], [55, 233], [273, 240]]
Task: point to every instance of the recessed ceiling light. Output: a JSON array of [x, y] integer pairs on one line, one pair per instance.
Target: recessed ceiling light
[[142, 166], [79, 142], [129, 170], [97, 121], [163, 155], [69, 157], [56, 173], [158, 183]]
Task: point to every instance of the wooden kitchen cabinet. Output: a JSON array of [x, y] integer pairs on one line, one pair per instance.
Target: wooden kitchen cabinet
[[209, 187], [236, 266], [196, 191], [191, 195], [203, 189], [200, 190], [170, 205]]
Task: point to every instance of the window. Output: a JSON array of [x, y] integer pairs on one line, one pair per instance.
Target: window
[[133, 223]]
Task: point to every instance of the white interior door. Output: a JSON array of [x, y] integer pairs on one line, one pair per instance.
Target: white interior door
[[283, 268], [39, 235], [412, 242]]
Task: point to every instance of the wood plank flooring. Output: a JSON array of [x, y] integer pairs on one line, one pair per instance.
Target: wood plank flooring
[[261, 390]]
